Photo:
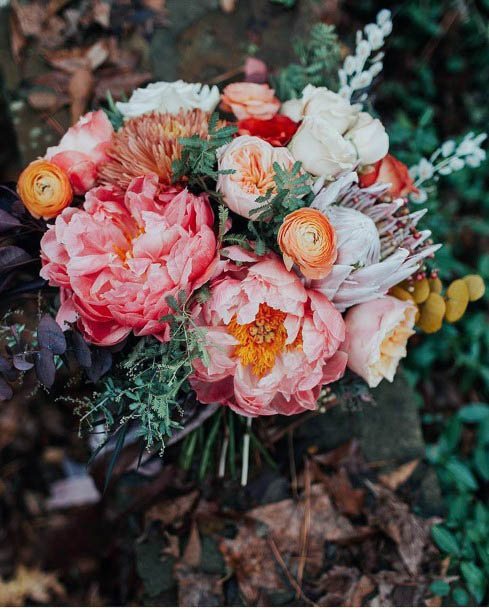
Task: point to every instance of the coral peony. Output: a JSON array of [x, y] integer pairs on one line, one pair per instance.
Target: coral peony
[[82, 149], [377, 333], [44, 189], [150, 144], [272, 343], [390, 171], [277, 131], [120, 257], [251, 159], [248, 99], [308, 239]]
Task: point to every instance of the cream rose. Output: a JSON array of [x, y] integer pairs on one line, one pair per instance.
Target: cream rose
[[334, 109], [170, 97], [323, 103], [321, 149], [294, 109], [251, 159], [369, 138], [377, 333]]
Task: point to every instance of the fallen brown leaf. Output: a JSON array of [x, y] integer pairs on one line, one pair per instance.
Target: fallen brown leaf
[[30, 584], [198, 589], [193, 549], [394, 518], [172, 511], [80, 89], [399, 476]]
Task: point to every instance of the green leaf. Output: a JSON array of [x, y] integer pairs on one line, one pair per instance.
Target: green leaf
[[476, 581], [440, 588], [460, 596], [445, 540], [461, 474], [473, 413], [481, 461]]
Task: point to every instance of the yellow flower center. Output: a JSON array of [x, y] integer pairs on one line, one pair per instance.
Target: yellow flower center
[[261, 340]]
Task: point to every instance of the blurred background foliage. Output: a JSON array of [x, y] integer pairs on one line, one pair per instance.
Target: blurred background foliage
[[435, 88]]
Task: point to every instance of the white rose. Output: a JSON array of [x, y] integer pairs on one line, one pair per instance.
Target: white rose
[[170, 97], [369, 138], [321, 149], [293, 108], [333, 108]]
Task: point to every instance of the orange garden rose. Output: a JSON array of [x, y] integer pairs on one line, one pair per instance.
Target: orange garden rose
[[44, 189], [308, 239]]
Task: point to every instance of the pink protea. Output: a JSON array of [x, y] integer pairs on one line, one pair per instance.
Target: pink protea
[[272, 343], [119, 257]]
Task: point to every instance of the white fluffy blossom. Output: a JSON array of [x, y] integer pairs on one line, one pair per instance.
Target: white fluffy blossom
[[170, 97], [360, 69]]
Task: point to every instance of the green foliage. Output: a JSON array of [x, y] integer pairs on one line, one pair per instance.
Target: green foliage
[[318, 58], [291, 192], [198, 161], [114, 115], [285, 3], [464, 536], [148, 384]]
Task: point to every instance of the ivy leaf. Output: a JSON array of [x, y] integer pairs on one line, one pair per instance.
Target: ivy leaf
[[445, 540], [440, 588], [476, 581], [473, 413], [461, 474], [51, 336]]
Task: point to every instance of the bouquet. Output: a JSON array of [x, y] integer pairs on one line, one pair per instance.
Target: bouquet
[[238, 253]]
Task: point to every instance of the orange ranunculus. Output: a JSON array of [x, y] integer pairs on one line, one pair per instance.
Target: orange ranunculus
[[308, 239], [44, 189]]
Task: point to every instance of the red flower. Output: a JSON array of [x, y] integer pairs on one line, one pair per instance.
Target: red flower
[[278, 130], [391, 171]]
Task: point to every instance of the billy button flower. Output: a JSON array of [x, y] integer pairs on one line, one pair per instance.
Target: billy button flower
[[434, 307], [308, 239], [44, 189]]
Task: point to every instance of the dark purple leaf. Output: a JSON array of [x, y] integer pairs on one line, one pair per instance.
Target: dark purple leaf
[[45, 367], [28, 286], [7, 222], [101, 363], [5, 390], [6, 369], [21, 363], [51, 336], [11, 257], [81, 350]]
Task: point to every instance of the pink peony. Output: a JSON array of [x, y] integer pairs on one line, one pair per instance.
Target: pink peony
[[82, 149], [377, 333], [272, 343], [119, 257]]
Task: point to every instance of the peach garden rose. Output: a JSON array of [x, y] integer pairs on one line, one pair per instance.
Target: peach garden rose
[[377, 334], [251, 160], [250, 100]]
